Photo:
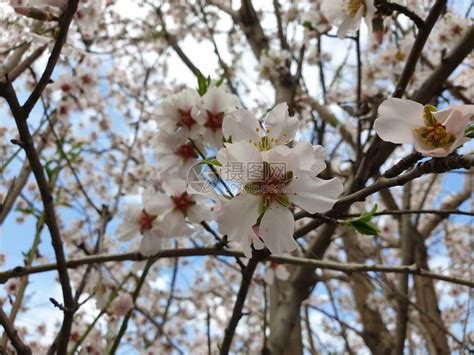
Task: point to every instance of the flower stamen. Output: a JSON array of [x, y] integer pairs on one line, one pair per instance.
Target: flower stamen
[[145, 221]]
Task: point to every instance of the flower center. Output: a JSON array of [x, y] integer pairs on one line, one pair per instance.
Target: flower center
[[353, 6], [145, 221], [186, 151], [182, 202], [65, 87], [186, 119], [271, 187], [433, 134], [86, 79], [214, 120]]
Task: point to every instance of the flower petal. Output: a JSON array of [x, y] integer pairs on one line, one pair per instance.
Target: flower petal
[[277, 228], [397, 118], [238, 216], [150, 244], [156, 203], [241, 125], [281, 272], [311, 157], [281, 128], [313, 194]]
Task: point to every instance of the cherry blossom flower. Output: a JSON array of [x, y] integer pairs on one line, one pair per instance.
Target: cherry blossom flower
[[179, 111], [433, 133], [272, 61], [175, 153], [261, 210], [347, 14], [273, 270], [12, 285], [177, 206], [387, 225], [144, 222], [279, 127], [215, 105], [122, 304], [88, 16]]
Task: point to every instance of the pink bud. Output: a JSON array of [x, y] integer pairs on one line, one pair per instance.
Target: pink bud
[[122, 304]]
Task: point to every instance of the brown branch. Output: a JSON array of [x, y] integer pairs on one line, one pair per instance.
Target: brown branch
[[281, 33], [387, 7], [190, 252], [418, 46], [239, 302], [173, 42], [435, 165], [64, 23], [407, 256], [451, 202], [20, 116], [12, 333]]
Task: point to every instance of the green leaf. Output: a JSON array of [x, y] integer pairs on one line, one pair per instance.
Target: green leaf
[[363, 223], [203, 83], [213, 162], [367, 216], [366, 228], [469, 131], [219, 82]]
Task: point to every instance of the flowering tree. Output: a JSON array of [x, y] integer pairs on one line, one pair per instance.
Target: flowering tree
[[273, 177]]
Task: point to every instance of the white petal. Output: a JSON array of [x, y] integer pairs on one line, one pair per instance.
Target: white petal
[[217, 100], [198, 213], [397, 118], [241, 152], [348, 24], [157, 203], [126, 231], [235, 159], [277, 228], [150, 244], [311, 157], [238, 216], [281, 272], [313, 194], [250, 240], [241, 125], [175, 186], [175, 224], [281, 159], [411, 112], [456, 122], [281, 128]]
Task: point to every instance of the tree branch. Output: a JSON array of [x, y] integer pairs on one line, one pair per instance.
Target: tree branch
[[12, 333], [20, 116], [65, 21], [189, 252]]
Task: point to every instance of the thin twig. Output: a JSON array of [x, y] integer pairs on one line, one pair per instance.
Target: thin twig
[[190, 252]]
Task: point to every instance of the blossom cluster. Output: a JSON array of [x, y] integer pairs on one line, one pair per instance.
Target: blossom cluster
[[190, 127]]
